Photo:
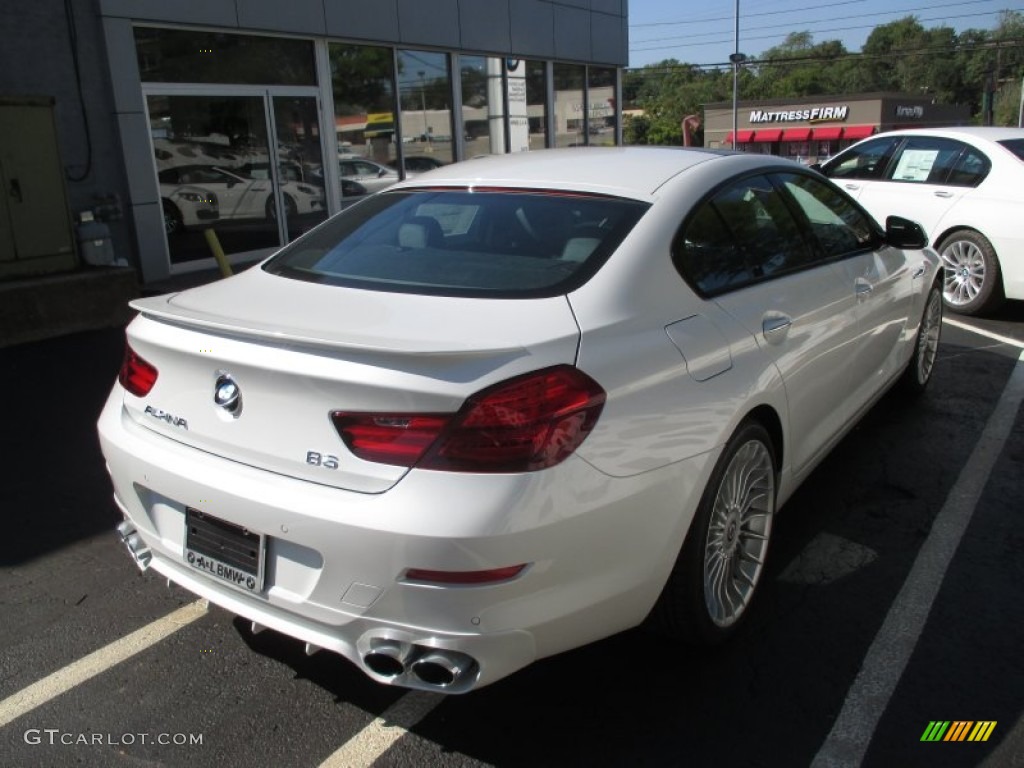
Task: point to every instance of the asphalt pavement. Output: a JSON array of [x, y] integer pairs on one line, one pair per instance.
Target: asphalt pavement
[[845, 545]]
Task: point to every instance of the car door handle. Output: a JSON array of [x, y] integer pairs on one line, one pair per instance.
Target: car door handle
[[862, 288], [775, 327], [943, 193], [852, 186]]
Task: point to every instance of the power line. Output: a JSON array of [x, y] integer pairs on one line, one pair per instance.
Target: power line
[[690, 38], [699, 20], [836, 18], [664, 69]]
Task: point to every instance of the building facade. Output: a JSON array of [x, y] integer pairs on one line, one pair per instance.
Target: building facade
[[813, 129], [256, 119]]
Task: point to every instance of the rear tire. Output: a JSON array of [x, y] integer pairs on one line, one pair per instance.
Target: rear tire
[[926, 346], [972, 281], [720, 566]]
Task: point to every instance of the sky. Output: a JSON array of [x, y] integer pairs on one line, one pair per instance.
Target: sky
[[703, 33]]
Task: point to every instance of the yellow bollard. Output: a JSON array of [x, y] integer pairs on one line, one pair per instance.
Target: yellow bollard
[[218, 252]]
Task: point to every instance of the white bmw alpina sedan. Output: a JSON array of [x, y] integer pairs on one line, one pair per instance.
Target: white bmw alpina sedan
[[514, 405]]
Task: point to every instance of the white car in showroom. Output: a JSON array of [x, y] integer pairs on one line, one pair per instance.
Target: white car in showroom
[[964, 186], [516, 406], [196, 195]]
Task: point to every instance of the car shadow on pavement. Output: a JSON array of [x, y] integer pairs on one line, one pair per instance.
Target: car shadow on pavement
[[56, 488]]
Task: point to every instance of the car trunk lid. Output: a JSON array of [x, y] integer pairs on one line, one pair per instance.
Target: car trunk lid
[[297, 351]]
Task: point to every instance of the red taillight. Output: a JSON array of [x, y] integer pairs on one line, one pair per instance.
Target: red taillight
[[388, 438], [465, 578], [527, 423], [137, 376]]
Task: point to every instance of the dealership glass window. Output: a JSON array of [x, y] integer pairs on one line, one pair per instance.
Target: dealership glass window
[[206, 148], [483, 115], [570, 122], [601, 105], [193, 56], [536, 102], [362, 79], [798, 150], [424, 94]]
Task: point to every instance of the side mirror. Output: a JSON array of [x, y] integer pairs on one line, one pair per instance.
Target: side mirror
[[904, 233], [381, 173]]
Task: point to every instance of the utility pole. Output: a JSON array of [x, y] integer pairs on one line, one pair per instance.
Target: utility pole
[[1020, 109], [737, 59]]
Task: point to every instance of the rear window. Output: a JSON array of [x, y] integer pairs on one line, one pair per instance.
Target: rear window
[[1016, 146], [461, 242]]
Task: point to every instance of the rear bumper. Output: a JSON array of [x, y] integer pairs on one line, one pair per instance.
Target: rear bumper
[[598, 551]]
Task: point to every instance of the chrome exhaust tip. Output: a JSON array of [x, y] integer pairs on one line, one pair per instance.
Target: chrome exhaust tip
[[442, 668], [388, 658], [136, 546]]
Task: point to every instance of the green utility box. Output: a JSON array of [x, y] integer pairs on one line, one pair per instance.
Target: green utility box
[[36, 236]]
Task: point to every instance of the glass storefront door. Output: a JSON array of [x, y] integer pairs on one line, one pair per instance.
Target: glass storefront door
[[235, 164], [300, 163]]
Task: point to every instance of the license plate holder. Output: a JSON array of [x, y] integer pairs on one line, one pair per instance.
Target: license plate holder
[[228, 552]]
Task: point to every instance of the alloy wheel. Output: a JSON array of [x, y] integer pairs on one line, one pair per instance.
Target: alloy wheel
[[738, 533], [964, 266]]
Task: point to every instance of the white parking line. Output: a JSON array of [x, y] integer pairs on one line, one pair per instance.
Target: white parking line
[[892, 647], [76, 673], [375, 739], [982, 332]]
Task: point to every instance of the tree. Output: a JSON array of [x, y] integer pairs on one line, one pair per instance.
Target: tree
[[901, 56]]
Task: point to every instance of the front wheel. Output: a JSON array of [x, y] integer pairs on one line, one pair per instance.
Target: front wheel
[[722, 560], [174, 223], [290, 208], [972, 283]]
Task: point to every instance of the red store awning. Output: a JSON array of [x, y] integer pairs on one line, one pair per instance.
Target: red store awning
[[858, 131], [796, 134], [830, 133], [742, 137], [773, 134]]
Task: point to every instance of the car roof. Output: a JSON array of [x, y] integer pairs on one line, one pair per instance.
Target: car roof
[[635, 172], [965, 132]]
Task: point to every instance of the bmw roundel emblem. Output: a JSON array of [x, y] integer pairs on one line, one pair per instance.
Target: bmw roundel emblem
[[226, 393]]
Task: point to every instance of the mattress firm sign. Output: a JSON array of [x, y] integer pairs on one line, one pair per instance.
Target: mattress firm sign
[[813, 115]]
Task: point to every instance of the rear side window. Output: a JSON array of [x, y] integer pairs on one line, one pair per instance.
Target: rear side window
[[1016, 146], [970, 169], [458, 242], [744, 234]]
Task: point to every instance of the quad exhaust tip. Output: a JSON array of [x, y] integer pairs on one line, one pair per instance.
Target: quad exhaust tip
[[422, 666], [136, 546]]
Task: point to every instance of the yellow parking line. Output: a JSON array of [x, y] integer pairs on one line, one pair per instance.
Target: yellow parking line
[[76, 673]]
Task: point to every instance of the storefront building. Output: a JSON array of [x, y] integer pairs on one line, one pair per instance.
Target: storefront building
[[813, 129], [256, 119]]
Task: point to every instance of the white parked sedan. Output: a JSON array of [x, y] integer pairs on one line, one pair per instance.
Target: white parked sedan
[[369, 174], [480, 419], [964, 186], [196, 195]]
